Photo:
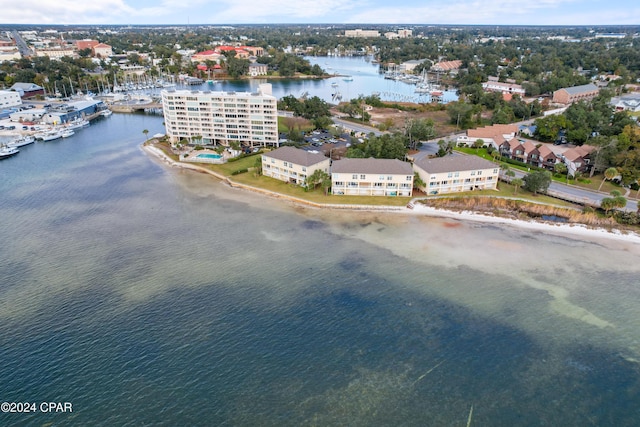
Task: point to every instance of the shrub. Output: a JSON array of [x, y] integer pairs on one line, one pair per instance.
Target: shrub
[[239, 171]]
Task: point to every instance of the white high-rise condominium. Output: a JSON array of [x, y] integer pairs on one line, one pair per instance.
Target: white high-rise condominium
[[249, 118]]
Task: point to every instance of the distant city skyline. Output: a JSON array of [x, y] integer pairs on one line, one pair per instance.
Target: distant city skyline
[[220, 12]]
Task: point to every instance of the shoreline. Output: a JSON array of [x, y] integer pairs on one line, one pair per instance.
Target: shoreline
[[418, 209]]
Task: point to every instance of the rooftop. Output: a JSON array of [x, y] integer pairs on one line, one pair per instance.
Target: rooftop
[[454, 163], [371, 165], [297, 156]]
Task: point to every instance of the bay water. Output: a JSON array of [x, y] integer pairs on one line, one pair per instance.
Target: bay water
[[150, 295], [351, 77]]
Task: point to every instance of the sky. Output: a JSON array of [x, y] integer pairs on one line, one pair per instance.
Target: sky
[[220, 12]]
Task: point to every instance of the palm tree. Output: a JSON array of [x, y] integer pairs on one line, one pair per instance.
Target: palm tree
[[146, 131], [609, 174], [517, 183]]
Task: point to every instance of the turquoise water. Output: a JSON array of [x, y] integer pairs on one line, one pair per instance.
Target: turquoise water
[[209, 156], [147, 295]]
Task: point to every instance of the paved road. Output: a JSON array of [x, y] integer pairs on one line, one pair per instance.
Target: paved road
[[582, 195], [22, 45], [357, 127]]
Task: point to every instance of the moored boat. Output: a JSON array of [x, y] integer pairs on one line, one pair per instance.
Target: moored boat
[[78, 123], [67, 133], [106, 113], [22, 141], [6, 151], [51, 135]]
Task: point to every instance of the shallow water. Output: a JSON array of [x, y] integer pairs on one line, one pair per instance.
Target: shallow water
[[149, 295]]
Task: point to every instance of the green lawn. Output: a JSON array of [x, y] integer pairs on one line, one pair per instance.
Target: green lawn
[[316, 196]]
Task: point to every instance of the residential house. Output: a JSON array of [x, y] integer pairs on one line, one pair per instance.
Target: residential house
[[578, 159], [456, 173], [547, 158], [494, 135], [290, 164], [569, 95], [629, 102], [371, 177]]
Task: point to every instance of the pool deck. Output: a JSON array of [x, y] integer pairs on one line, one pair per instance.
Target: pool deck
[[193, 157]]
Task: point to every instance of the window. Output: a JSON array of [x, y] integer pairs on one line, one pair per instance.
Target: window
[[479, 172], [457, 174], [450, 174], [409, 177], [362, 176], [389, 177], [354, 176]]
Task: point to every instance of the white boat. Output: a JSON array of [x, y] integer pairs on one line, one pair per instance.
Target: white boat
[[6, 151], [348, 79], [22, 141], [78, 123], [334, 84], [106, 113], [51, 135], [67, 133]]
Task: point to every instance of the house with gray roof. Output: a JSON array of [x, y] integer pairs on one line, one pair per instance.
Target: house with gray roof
[[290, 164], [371, 177], [27, 90], [456, 173]]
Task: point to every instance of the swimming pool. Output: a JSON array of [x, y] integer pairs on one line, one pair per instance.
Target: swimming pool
[[209, 156]]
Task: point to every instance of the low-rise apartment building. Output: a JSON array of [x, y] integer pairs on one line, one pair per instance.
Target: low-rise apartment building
[[510, 87], [371, 177], [569, 95], [456, 173], [248, 118], [290, 164]]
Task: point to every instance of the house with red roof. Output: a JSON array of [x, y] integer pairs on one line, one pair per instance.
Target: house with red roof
[[577, 159], [494, 135]]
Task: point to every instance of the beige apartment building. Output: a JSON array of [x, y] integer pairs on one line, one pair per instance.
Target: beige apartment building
[[248, 118], [361, 33], [371, 177], [456, 173], [290, 164]]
